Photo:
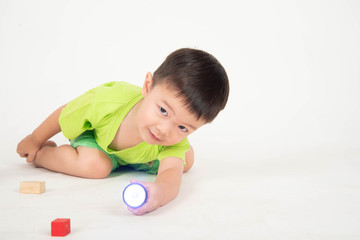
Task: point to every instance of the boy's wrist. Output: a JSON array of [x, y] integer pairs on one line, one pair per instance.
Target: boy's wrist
[[161, 194], [48, 128], [165, 193], [36, 138]]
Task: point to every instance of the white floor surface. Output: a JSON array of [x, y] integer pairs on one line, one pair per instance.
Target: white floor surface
[[312, 195]]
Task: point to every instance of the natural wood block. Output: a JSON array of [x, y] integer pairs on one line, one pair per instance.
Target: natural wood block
[[32, 187]]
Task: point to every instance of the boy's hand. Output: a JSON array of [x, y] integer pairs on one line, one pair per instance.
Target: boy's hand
[[28, 148], [165, 188], [153, 198]]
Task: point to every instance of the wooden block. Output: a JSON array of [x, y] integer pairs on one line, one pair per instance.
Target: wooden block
[[32, 187]]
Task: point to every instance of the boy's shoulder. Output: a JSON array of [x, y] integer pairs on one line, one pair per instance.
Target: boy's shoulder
[[120, 86], [116, 90]]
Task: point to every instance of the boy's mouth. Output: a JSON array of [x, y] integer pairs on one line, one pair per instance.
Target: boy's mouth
[[153, 136]]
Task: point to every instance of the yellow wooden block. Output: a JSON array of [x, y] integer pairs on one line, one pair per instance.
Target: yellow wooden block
[[32, 187]]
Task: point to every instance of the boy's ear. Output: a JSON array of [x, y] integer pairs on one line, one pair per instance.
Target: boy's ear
[[147, 84]]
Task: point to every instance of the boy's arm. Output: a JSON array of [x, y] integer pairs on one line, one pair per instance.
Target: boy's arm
[[31, 144], [166, 186], [169, 178]]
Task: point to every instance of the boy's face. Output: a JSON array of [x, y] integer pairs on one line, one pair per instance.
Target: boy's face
[[162, 118]]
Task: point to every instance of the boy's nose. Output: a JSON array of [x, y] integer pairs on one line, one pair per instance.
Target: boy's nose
[[164, 130]]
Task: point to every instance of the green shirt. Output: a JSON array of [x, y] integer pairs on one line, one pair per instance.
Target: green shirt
[[102, 110]]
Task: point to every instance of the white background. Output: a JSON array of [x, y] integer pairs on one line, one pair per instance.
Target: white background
[[280, 162]]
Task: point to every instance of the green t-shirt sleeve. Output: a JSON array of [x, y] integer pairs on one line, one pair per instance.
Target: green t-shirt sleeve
[[177, 150], [85, 112], [100, 109], [78, 116]]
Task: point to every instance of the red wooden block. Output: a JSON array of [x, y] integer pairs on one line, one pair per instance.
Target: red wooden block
[[60, 227]]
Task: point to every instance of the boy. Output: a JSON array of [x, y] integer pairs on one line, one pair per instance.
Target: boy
[[120, 124]]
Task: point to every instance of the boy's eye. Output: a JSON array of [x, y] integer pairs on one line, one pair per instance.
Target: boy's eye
[[182, 128], [163, 111]]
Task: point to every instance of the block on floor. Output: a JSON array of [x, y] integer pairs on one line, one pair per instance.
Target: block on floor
[[60, 227], [32, 187]]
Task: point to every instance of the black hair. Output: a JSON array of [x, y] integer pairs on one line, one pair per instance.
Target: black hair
[[198, 78]]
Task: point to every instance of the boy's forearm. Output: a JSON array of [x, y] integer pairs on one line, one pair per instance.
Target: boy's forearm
[[49, 127], [169, 182]]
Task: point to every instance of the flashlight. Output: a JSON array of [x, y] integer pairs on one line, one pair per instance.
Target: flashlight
[[134, 195]]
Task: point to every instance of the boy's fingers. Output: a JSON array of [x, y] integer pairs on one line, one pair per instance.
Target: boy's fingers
[[137, 181], [141, 182], [18, 149], [30, 158], [21, 153], [137, 211]]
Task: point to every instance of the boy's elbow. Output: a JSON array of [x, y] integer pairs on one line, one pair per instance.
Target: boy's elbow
[[189, 159]]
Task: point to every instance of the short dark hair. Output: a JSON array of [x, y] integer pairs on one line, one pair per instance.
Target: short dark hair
[[198, 78]]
